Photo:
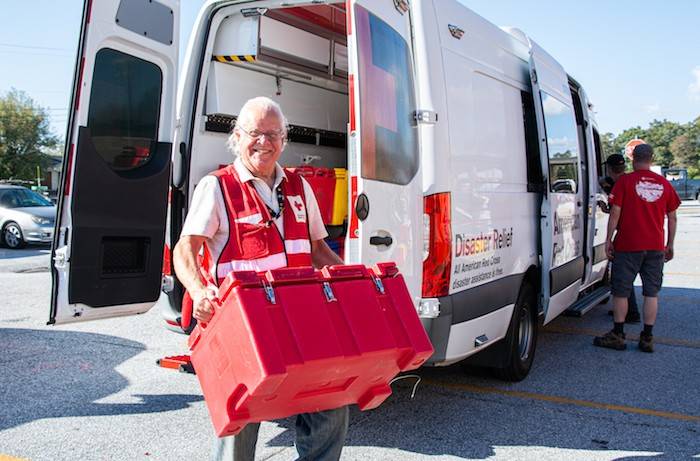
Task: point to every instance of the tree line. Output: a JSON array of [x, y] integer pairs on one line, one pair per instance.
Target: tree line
[[675, 144], [26, 140]]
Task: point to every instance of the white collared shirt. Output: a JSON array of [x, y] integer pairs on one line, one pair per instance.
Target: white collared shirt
[[207, 215], [267, 194]]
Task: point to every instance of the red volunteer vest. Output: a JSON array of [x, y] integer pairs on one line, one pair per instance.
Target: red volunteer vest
[[254, 241]]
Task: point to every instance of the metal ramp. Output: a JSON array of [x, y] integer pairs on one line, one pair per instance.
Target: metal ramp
[[588, 302]]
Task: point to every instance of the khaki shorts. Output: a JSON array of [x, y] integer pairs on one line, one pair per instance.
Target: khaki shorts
[[625, 267]]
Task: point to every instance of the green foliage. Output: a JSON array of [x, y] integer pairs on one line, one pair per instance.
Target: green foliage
[[685, 152], [674, 144], [25, 136], [607, 141]]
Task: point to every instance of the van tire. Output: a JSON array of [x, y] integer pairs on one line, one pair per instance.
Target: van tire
[[521, 339]]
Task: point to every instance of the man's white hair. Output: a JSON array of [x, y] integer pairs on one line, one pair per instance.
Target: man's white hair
[[262, 104]]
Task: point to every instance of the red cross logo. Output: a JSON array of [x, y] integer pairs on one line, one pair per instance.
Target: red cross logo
[[298, 205]]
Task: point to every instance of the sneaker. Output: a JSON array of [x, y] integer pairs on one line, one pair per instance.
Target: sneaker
[[611, 340], [633, 317], [646, 343]]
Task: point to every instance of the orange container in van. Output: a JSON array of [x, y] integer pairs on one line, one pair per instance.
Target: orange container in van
[[296, 340]]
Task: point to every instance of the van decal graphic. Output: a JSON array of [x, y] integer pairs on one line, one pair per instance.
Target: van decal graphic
[[484, 261]]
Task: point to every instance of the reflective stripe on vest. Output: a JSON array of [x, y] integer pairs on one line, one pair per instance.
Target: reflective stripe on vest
[[253, 245]]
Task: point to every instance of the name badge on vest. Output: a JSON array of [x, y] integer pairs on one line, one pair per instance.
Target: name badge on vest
[[298, 207]]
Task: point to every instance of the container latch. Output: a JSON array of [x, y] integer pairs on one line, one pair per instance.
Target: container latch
[[328, 291], [269, 292], [378, 284]]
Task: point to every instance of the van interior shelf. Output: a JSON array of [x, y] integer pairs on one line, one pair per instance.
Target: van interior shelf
[[223, 123]]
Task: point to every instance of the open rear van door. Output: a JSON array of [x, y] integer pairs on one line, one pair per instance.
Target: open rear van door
[[562, 211], [110, 229], [386, 189]]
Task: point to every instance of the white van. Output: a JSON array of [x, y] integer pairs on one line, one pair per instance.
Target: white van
[[473, 158]]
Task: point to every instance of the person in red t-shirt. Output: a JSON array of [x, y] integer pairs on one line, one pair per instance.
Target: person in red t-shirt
[[640, 201]]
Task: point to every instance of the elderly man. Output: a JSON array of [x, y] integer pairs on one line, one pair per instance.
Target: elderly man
[[251, 215], [640, 202]]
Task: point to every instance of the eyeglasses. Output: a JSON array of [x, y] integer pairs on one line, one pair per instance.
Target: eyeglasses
[[272, 136]]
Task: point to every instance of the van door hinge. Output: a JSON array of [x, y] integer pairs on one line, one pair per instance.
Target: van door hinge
[[60, 258], [427, 117]]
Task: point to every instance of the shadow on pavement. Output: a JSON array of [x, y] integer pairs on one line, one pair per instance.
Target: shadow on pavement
[[27, 252], [479, 425], [52, 374]]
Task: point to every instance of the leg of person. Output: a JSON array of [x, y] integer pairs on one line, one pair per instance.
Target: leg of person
[[624, 269], [651, 307], [620, 308], [321, 436], [632, 309], [240, 447], [651, 273]]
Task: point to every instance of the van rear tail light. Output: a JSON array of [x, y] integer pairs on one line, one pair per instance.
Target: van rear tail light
[[437, 245], [166, 261]]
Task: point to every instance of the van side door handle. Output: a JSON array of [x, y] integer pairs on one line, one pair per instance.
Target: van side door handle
[[376, 240]]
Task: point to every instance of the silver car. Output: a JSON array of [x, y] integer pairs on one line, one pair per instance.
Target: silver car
[[25, 217]]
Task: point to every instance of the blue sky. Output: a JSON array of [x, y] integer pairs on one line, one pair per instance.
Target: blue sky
[[638, 60]]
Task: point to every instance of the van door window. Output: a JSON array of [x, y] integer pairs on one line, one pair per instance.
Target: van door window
[[124, 108], [562, 145], [387, 102], [598, 155], [532, 145]]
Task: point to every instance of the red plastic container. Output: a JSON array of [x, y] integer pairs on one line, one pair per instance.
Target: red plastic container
[[322, 182], [296, 340]]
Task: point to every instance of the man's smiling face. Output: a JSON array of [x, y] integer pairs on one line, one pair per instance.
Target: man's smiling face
[[260, 139]]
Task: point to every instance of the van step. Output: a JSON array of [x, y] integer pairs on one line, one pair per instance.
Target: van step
[[588, 302]]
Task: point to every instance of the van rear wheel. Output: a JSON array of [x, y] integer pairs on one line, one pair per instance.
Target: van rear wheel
[[521, 338]]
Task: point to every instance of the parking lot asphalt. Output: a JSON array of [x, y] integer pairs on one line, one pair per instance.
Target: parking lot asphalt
[[92, 391]]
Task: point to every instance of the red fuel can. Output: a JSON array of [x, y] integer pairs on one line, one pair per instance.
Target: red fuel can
[[297, 340], [322, 182]]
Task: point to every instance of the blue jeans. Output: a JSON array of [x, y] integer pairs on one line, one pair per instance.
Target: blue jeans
[[320, 437]]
